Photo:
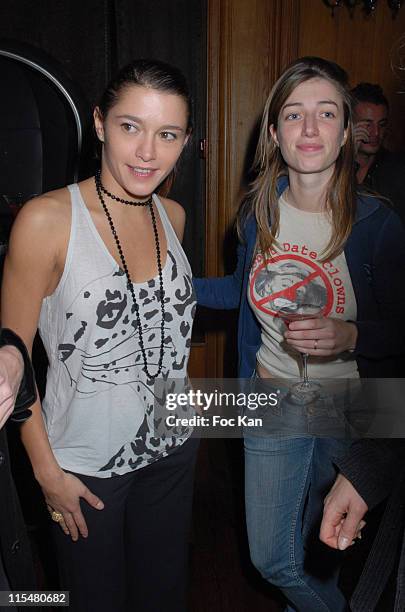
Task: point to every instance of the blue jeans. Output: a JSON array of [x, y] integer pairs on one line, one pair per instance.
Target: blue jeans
[[286, 480]]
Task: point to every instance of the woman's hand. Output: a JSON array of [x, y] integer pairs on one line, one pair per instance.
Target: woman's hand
[[11, 370], [322, 336], [343, 513], [62, 494]]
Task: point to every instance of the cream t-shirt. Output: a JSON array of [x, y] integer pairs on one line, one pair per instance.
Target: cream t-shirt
[[292, 274]]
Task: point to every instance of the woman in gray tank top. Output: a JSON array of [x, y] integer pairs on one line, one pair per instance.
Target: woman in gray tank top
[[110, 289]]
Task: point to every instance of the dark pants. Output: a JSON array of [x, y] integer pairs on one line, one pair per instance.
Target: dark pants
[[135, 557]]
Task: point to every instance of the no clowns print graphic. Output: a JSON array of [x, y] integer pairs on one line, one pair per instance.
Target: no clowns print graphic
[[290, 281]]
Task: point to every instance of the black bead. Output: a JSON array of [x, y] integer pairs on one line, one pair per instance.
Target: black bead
[[149, 202], [100, 187]]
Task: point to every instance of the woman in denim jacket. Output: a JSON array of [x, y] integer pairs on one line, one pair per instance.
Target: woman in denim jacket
[[303, 211]]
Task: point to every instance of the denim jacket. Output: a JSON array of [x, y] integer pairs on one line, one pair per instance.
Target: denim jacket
[[375, 255]]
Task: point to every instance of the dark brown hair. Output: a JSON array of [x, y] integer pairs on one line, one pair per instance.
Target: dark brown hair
[[369, 92], [153, 74]]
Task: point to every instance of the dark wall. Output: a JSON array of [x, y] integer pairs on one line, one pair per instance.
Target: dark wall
[[174, 31], [73, 32], [92, 38]]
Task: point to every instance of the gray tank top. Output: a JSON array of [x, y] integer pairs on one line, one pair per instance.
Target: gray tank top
[[98, 408]]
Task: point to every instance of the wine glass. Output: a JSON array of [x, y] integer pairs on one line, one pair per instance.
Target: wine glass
[[306, 390]]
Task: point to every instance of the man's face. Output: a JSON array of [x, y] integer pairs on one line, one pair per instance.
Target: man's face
[[374, 117]]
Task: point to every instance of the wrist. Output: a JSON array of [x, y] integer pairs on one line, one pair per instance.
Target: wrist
[[47, 475]]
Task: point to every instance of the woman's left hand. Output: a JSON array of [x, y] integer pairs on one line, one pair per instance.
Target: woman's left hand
[[322, 336]]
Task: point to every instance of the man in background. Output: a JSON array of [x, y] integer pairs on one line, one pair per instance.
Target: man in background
[[378, 169]]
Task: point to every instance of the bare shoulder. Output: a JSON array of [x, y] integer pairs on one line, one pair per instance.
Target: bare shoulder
[[44, 220], [176, 214], [34, 259], [45, 211]]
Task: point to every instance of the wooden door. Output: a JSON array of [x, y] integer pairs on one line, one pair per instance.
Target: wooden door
[[247, 43]]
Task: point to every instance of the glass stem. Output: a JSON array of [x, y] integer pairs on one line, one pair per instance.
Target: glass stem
[[305, 368]]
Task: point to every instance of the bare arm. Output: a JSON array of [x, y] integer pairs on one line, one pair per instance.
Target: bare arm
[[177, 216], [27, 273], [32, 270]]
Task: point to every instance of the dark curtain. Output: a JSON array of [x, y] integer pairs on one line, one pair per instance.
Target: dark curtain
[[92, 38], [73, 32], [174, 31]]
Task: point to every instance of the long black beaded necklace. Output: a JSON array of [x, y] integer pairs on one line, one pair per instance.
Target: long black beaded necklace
[[100, 190]]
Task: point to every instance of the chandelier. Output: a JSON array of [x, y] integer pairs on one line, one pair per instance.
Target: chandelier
[[369, 6]]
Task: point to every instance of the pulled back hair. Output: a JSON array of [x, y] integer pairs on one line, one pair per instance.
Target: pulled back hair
[[369, 92], [269, 165], [153, 74]]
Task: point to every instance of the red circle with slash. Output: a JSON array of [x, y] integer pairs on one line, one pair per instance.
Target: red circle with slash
[[289, 293]]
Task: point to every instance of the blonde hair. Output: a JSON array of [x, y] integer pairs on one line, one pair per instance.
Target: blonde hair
[[269, 165]]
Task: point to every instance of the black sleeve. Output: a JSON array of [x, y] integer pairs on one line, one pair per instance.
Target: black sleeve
[[373, 467], [27, 392], [385, 337]]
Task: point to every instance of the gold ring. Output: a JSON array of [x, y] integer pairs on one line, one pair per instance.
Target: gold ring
[[56, 516], [315, 344]]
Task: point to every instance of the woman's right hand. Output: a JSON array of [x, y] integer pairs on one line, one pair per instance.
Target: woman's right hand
[[62, 494]]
